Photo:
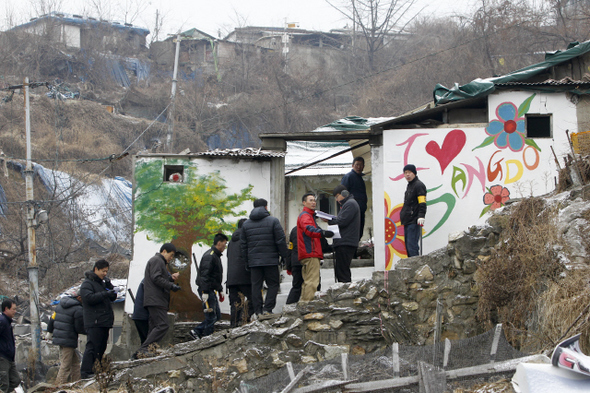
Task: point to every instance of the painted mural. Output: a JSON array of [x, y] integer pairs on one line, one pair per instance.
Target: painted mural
[[468, 173], [185, 213]]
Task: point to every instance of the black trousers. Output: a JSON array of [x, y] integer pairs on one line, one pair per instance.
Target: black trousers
[[362, 224], [259, 275], [237, 309], [344, 255], [96, 344], [158, 326], [143, 328], [295, 292]]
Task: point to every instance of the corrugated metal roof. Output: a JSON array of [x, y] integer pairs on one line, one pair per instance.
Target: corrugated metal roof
[[549, 82], [300, 153], [247, 152]]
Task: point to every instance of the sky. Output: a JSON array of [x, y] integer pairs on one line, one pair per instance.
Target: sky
[[213, 17]]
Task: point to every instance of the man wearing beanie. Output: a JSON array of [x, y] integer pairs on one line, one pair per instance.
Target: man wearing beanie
[[413, 211]]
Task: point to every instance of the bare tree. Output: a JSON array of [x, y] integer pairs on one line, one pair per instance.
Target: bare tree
[[377, 21], [43, 7]]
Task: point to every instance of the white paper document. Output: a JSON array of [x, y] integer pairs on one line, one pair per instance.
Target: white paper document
[[321, 214], [336, 230]]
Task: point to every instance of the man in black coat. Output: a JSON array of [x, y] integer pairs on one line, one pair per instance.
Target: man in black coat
[[354, 183], [413, 211], [238, 280], [157, 284], [348, 221], [97, 294], [9, 377], [294, 268], [209, 281], [66, 324], [140, 315], [263, 244]]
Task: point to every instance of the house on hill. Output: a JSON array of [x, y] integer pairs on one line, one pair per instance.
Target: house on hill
[[78, 32], [476, 147]]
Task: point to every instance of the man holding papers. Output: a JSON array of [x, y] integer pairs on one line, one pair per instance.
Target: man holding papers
[[348, 221], [309, 247]]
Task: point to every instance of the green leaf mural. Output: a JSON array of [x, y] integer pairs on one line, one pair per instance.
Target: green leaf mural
[[488, 141], [525, 106], [532, 143]]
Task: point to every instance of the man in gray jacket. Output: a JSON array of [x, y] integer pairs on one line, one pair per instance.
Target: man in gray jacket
[[157, 284], [348, 221], [263, 243]]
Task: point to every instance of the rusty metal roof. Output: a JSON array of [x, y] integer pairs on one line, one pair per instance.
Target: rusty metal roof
[[247, 152], [549, 82]]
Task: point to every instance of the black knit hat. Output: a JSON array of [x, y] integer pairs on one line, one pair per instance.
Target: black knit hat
[[411, 168]]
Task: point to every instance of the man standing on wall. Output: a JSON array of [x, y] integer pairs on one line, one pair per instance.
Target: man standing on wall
[[9, 377], [354, 183], [309, 247], [348, 221], [157, 284], [209, 282], [414, 210], [97, 294], [238, 280], [263, 243]]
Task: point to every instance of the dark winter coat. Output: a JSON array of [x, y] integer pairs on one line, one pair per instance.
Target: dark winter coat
[[210, 271], [309, 236], [355, 184], [349, 222], [236, 266], [292, 254], [412, 209], [68, 322], [140, 313], [96, 300], [7, 345], [157, 283], [264, 239]]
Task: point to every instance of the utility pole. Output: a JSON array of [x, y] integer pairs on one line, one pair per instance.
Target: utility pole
[[169, 137], [32, 269]]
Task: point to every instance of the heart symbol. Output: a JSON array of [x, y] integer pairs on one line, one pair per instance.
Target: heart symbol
[[451, 147]]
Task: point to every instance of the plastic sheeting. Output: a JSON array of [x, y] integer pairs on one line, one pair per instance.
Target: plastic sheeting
[[484, 87]]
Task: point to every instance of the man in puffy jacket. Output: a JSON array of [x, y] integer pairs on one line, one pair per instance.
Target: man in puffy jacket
[[348, 221], [238, 280], [263, 244], [9, 377], [413, 211], [209, 281], [65, 324], [97, 294], [157, 284], [309, 247]]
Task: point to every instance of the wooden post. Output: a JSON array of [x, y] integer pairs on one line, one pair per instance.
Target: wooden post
[[495, 342], [395, 358], [345, 365], [447, 352]]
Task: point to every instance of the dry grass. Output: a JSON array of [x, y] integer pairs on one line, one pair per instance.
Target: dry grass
[[522, 267], [563, 310]]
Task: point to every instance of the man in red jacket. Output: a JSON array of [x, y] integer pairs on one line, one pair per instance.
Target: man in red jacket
[[309, 247]]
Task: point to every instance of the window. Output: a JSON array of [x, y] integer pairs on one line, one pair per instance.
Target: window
[[327, 203], [538, 126], [174, 173]]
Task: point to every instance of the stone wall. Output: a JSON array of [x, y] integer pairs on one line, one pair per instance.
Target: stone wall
[[356, 318]]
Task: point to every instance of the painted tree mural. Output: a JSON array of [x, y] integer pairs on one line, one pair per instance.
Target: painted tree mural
[[184, 213]]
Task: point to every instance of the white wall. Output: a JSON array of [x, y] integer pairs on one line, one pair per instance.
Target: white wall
[[238, 174], [471, 170]]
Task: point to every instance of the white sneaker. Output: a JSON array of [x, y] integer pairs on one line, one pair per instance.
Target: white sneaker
[[254, 317]]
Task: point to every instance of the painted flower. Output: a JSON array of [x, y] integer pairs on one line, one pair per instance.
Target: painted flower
[[509, 129], [394, 233], [496, 197]]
